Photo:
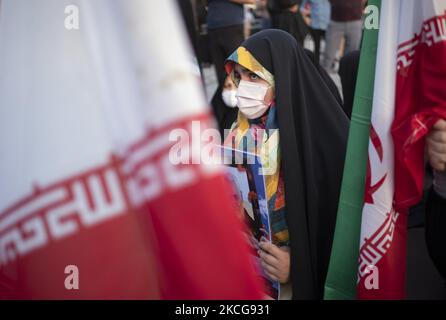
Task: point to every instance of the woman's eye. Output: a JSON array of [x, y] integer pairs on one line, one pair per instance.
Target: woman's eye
[[253, 76]]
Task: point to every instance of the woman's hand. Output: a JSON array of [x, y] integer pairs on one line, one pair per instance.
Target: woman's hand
[[436, 146], [275, 261]]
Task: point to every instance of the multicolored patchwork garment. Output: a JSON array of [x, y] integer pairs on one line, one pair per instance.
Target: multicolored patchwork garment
[[261, 136]]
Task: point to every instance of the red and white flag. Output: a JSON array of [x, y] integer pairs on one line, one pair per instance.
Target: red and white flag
[[409, 97], [90, 204]]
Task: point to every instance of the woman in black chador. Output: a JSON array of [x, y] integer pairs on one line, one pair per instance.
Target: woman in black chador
[[278, 87]]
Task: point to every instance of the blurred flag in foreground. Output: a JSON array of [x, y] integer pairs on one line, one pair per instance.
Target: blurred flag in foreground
[[409, 97], [86, 183]]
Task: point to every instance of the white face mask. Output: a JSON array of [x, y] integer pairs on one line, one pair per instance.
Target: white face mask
[[251, 99], [229, 98]]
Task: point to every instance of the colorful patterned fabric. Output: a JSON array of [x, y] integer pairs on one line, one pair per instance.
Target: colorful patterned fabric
[[261, 136]]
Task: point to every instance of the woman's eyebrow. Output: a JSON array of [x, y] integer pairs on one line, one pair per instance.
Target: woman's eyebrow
[[242, 69]]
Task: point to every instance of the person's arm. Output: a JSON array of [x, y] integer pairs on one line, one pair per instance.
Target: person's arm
[[436, 146]]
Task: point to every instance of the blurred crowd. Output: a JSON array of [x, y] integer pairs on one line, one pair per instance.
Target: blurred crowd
[[330, 29]]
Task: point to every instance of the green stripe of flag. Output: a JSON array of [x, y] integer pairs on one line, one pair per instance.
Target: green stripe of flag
[[342, 272]]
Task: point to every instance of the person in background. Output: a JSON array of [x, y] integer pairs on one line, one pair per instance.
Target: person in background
[[348, 72], [320, 17], [249, 19], [346, 22], [224, 105], [225, 23], [188, 13], [286, 16], [261, 11]]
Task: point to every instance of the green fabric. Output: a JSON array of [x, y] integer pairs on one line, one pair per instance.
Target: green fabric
[[342, 273]]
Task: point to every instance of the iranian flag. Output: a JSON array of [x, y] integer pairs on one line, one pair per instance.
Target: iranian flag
[[409, 96], [91, 205]]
